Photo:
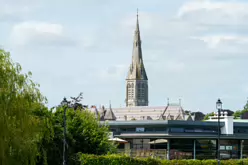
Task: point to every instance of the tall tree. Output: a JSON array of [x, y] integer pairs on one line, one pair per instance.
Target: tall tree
[[20, 130], [85, 134]]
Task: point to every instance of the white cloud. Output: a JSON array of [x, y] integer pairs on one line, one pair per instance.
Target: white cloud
[[16, 9], [215, 12], [230, 8], [158, 25], [13, 10], [215, 41], [39, 33]]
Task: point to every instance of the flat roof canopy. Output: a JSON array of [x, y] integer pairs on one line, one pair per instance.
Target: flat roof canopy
[[180, 136]]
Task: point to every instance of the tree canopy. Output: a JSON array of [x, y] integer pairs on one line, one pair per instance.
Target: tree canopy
[[19, 97], [239, 113], [31, 134], [207, 116], [85, 134]]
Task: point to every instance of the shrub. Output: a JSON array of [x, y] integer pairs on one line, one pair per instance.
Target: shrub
[[125, 160], [116, 160]]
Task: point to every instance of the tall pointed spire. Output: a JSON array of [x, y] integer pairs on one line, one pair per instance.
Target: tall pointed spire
[[137, 81], [137, 68], [137, 21]]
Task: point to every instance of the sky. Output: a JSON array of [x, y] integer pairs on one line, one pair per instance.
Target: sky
[[193, 50]]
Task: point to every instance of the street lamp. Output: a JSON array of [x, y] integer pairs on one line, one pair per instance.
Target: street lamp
[[219, 107], [64, 104]]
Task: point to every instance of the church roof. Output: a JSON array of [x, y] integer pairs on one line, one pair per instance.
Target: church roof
[[109, 115], [174, 110], [169, 112], [189, 118], [137, 68]]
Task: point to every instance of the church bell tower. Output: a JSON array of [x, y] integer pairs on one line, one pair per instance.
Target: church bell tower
[[137, 81]]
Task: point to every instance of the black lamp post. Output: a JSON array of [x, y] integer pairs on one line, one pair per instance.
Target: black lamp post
[[219, 107], [64, 104]]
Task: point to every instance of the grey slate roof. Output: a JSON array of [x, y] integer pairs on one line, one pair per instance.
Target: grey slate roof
[[174, 112], [109, 115], [169, 112]]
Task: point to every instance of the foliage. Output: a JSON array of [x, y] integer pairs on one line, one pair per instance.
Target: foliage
[[208, 115], [115, 160], [125, 160], [239, 113], [19, 97], [47, 136], [84, 134]]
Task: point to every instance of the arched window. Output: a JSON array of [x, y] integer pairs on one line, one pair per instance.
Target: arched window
[[143, 85], [132, 86]]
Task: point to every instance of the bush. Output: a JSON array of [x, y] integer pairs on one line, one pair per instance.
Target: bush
[[116, 160], [125, 160]]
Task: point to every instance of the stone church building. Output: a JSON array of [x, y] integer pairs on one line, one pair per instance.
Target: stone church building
[[137, 99]]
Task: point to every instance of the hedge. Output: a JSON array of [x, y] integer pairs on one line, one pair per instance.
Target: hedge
[[125, 160]]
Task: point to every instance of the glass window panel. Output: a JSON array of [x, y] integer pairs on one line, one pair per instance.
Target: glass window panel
[[177, 130], [205, 149], [181, 149], [245, 148]]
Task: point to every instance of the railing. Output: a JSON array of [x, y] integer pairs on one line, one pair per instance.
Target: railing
[[154, 153], [180, 154]]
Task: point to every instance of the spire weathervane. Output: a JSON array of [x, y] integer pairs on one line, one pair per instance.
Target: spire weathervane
[[109, 103], [137, 22]]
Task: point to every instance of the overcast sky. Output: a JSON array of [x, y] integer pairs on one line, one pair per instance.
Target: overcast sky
[[195, 50]]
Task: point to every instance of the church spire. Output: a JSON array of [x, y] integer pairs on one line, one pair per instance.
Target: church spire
[[137, 68], [137, 21], [137, 81]]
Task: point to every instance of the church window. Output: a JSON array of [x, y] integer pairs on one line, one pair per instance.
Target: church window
[[132, 85], [143, 85]]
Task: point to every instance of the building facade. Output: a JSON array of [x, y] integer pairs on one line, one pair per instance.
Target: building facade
[[137, 81], [173, 139], [167, 131]]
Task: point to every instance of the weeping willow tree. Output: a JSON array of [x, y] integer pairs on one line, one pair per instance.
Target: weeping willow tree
[[20, 130]]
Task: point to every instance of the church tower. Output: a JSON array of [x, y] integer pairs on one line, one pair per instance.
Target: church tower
[[137, 81]]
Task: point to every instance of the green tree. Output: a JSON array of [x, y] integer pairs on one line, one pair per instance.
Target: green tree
[[20, 130], [239, 113], [85, 134], [208, 116]]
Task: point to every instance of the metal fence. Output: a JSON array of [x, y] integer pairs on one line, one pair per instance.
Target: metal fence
[[154, 153]]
